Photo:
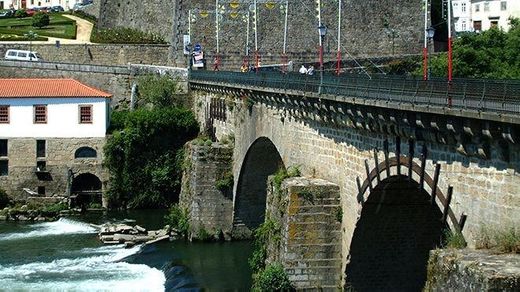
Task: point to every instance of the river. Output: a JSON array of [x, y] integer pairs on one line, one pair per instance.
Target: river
[[65, 255]]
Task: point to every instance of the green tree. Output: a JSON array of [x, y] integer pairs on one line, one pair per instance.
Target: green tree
[[144, 156], [40, 20], [490, 54], [160, 91], [20, 13]]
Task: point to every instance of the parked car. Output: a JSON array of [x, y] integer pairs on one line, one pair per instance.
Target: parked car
[[22, 55], [77, 6], [57, 8], [30, 11], [7, 13]]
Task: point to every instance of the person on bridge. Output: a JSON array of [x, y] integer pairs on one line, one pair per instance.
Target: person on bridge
[[303, 70], [310, 71], [244, 68]]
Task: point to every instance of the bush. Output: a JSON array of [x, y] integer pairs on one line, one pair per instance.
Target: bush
[[160, 91], [20, 13], [40, 20], [123, 35], [226, 183], [178, 218], [273, 278], [4, 199]]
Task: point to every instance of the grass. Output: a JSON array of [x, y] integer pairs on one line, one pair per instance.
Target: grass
[[504, 240], [60, 27], [454, 239]]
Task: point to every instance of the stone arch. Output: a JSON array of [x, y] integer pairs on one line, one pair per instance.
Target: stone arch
[[85, 152], [86, 188], [390, 246], [400, 222], [406, 166], [261, 160]]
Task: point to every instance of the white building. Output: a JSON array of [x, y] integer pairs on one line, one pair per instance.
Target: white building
[[493, 13], [52, 133], [19, 4], [462, 15]]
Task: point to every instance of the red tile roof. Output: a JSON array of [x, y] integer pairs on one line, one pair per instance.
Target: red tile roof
[[35, 88]]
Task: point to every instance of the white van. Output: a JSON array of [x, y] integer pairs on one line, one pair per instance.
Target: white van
[[22, 55]]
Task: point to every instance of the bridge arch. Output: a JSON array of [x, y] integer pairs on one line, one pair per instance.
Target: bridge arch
[[390, 246], [262, 159], [400, 222]]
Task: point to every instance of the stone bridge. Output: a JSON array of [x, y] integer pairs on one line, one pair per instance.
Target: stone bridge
[[386, 165]]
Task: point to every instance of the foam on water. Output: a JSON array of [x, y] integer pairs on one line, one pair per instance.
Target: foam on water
[[99, 270], [62, 226]]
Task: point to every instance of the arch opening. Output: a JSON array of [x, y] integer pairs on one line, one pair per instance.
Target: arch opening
[[261, 161], [391, 243], [86, 188], [85, 152]]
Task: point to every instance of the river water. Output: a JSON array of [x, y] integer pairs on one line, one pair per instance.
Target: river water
[[65, 255]]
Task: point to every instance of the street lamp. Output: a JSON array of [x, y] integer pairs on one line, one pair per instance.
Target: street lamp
[[31, 36], [430, 32], [322, 29], [189, 55]]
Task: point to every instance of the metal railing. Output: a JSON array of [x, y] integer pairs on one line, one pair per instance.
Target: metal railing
[[484, 95]]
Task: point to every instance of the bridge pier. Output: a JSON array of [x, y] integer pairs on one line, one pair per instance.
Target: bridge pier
[[309, 213]]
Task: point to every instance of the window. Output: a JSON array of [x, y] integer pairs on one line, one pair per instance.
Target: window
[[3, 147], [41, 190], [463, 7], [85, 114], [40, 148], [12, 54], [477, 8], [477, 25], [40, 114], [4, 167], [486, 6], [41, 166], [85, 152], [494, 23], [503, 5], [4, 114], [464, 25]]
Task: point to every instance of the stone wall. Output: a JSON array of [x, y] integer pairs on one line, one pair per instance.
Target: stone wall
[[98, 54], [368, 27], [308, 211], [59, 160], [209, 208], [154, 16], [116, 80], [473, 270]]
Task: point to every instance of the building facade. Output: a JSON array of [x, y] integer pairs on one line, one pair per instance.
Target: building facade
[[486, 14], [20, 4], [462, 15], [52, 133]]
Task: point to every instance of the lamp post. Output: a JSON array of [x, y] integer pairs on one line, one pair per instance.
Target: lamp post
[[322, 29], [31, 35], [189, 56], [430, 32]]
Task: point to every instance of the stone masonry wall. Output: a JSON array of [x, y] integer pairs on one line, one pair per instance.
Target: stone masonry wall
[[486, 190], [209, 207], [98, 54], [473, 270], [59, 159], [154, 16], [375, 27], [308, 211]]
